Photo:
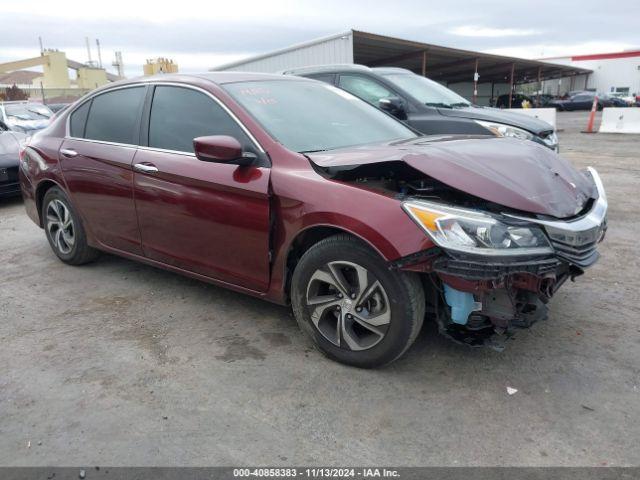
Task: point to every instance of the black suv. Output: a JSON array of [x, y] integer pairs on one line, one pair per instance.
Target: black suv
[[427, 105]]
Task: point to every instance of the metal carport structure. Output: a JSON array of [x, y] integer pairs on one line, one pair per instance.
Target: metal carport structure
[[443, 64]]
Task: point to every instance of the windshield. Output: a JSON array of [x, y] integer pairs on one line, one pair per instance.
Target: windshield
[[22, 111], [308, 116], [427, 91]]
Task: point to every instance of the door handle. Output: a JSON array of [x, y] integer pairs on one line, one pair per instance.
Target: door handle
[[145, 168], [67, 152]]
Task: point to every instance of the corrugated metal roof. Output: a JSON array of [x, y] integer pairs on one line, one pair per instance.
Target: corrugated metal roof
[[444, 64]]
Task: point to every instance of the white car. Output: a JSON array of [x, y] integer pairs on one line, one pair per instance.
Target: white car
[[25, 117]]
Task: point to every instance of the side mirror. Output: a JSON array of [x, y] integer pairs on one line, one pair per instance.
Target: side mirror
[[221, 149], [394, 106]]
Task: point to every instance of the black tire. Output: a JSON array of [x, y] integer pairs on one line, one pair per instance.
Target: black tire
[[77, 252], [403, 290]]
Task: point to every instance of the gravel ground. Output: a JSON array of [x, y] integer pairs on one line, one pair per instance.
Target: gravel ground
[[117, 363]]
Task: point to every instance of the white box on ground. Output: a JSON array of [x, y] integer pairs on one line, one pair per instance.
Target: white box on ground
[[620, 120], [546, 114]]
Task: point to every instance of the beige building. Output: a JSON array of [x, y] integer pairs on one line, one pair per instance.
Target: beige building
[[159, 65], [55, 71]]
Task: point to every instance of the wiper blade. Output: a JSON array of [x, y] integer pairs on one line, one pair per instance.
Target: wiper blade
[[437, 104], [37, 113], [314, 151], [460, 104]]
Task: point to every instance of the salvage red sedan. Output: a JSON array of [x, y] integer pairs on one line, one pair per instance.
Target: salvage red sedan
[[292, 190]]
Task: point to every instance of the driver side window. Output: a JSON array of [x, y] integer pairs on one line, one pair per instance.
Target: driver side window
[[178, 115], [365, 88]]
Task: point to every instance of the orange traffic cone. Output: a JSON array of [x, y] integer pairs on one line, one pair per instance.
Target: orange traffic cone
[[592, 116]]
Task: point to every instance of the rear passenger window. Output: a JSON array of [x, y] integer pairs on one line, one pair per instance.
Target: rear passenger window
[[78, 120], [178, 115], [324, 77], [113, 116]]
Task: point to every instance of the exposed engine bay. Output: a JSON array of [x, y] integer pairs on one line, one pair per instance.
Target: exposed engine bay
[[480, 300]]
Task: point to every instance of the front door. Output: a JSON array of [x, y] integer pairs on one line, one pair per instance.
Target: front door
[[96, 162], [203, 217]]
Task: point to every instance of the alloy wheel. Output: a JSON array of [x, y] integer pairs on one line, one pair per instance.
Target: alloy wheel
[[348, 305], [60, 226]]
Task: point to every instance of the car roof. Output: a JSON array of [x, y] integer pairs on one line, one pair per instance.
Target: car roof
[[219, 78]]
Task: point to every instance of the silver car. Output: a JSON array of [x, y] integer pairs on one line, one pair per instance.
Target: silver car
[[23, 116]]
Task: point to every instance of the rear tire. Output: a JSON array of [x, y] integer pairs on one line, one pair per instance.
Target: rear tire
[[355, 308], [64, 230]]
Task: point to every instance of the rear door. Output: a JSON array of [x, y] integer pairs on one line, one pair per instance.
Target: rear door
[[203, 217], [96, 161]]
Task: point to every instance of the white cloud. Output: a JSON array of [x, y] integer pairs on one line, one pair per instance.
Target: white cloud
[[477, 31]]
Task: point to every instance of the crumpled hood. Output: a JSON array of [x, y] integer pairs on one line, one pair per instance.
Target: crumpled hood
[[508, 117], [517, 174]]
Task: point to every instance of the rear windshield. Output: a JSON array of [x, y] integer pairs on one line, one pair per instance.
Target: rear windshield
[[308, 116]]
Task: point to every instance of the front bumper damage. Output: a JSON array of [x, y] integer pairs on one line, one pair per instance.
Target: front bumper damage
[[480, 300]]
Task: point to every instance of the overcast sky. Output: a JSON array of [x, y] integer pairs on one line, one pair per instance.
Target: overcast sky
[[201, 34]]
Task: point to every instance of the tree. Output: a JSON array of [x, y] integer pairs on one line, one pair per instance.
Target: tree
[[15, 93]]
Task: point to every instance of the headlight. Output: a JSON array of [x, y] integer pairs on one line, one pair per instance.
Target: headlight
[[550, 140], [471, 231], [502, 130]]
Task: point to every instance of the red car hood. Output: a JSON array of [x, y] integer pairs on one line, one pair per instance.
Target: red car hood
[[517, 174]]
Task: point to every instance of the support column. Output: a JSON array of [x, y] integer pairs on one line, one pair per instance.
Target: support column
[[424, 63], [513, 68], [539, 86], [475, 83]]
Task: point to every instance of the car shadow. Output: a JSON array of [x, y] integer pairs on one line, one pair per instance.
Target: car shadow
[[8, 202]]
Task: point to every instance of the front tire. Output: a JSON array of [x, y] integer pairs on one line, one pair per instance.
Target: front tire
[[64, 229], [355, 308]]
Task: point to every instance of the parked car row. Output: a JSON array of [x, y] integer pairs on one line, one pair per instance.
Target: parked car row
[[576, 100], [301, 193], [584, 101]]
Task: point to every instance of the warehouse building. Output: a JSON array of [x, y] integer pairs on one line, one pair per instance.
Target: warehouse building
[[474, 75], [613, 73]]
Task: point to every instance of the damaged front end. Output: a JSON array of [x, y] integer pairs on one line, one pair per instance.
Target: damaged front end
[[510, 222], [490, 273]]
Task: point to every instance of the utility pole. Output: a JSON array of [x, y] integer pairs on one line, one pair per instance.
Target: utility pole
[[41, 47], [513, 69], [86, 39], [118, 64], [99, 53]]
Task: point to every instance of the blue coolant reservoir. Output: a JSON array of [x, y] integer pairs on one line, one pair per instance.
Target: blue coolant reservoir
[[461, 303]]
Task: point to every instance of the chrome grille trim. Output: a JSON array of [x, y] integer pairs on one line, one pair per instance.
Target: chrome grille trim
[[576, 240]]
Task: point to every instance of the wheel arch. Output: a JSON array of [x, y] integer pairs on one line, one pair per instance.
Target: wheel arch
[[307, 238], [41, 190]]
